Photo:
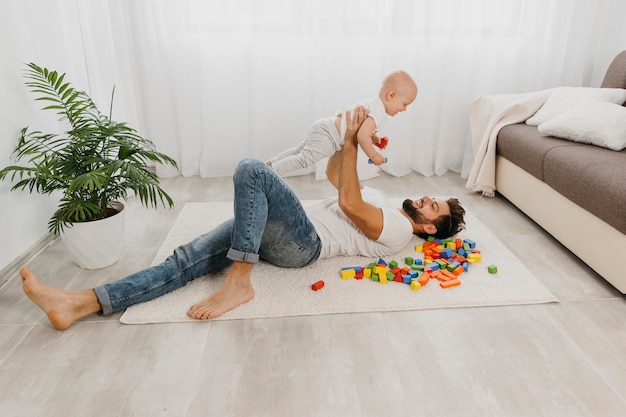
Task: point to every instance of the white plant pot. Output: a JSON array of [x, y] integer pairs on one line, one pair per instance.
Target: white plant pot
[[97, 244]]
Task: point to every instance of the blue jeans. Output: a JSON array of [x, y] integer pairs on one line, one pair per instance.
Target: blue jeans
[[269, 224]]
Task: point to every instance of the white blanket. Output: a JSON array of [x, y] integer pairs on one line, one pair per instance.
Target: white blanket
[[489, 114]]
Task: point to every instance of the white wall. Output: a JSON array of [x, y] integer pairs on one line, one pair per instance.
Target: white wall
[[24, 217], [610, 38]]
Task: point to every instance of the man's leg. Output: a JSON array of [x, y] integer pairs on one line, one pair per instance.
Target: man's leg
[[269, 218], [199, 257], [260, 194], [269, 224]]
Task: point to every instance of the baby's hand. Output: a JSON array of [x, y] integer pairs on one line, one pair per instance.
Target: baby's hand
[[377, 159], [380, 142]]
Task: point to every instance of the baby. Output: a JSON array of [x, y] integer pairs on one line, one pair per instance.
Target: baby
[[326, 136]]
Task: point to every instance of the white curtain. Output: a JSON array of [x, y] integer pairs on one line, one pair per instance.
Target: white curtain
[[214, 81]]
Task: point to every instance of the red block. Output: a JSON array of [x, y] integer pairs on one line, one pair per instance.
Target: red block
[[317, 285]]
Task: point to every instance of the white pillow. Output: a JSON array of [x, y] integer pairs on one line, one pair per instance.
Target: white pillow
[[594, 121], [563, 97]]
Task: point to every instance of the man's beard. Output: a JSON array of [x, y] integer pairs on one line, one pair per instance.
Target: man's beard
[[407, 206]]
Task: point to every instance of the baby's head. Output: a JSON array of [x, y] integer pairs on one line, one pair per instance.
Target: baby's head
[[397, 92]]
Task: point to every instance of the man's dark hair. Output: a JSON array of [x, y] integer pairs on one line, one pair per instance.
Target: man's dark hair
[[448, 225]]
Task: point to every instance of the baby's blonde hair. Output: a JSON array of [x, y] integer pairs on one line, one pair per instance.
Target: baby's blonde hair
[[399, 81]]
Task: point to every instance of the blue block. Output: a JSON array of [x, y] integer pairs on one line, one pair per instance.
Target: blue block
[[434, 266], [470, 242]]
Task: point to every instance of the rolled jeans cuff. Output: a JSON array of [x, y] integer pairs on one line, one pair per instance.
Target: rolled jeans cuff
[[104, 300], [239, 256]]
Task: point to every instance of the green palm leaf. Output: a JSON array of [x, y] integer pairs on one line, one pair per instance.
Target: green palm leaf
[[94, 163]]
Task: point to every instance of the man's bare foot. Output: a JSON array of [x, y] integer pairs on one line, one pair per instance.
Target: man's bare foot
[[62, 307], [225, 299], [236, 290]]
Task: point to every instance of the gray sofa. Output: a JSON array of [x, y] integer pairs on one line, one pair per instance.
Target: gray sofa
[[575, 191]]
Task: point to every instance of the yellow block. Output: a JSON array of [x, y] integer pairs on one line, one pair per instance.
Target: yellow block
[[367, 273], [419, 248], [348, 273], [380, 270], [415, 285], [383, 278], [474, 257]]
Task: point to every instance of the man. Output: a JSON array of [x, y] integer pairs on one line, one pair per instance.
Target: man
[[269, 224]]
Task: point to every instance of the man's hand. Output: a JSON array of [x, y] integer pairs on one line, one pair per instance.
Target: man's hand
[[353, 123]]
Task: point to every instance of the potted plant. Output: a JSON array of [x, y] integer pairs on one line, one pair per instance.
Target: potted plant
[[94, 165]]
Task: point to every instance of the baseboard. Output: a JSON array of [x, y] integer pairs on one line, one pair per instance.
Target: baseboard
[[11, 270]]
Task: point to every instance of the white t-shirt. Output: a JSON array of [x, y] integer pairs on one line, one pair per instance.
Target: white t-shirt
[[377, 112], [340, 236]]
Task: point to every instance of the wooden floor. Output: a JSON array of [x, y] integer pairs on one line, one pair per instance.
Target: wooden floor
[[560, 359]]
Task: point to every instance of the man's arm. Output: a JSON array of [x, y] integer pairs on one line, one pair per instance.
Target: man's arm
[[332, 168], [367, 217]]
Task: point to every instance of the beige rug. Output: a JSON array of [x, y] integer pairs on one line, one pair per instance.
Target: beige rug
[[283, 292]]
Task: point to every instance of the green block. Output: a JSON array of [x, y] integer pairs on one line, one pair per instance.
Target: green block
[[442, 264], [375, 277], [492, 269], [393, 264], [408, 260]]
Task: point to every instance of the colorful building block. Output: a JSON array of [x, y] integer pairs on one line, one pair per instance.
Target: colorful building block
[[474, 257], [470, 242], [318, 285], [382, 144], [348, 273], [450, 283], [424, 278]]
